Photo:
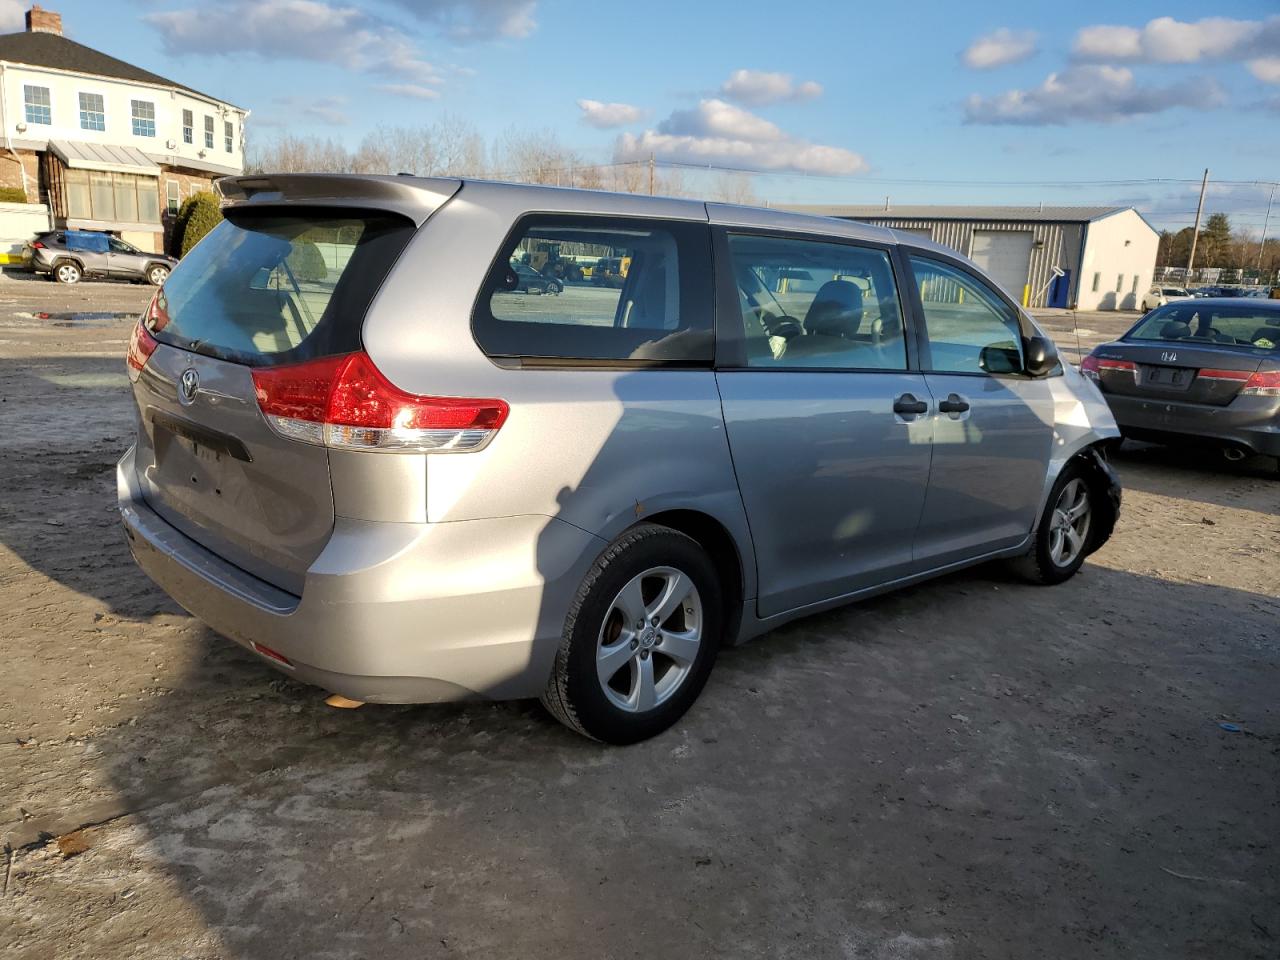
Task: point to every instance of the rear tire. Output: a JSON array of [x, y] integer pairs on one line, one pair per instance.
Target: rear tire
[[67, 272], [613, 680], [1064, 534]]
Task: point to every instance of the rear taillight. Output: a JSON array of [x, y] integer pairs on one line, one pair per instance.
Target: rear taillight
[[346, 402], [1263, 384], [1092, 366], [37, 245], [1238, 376], [141, 346]]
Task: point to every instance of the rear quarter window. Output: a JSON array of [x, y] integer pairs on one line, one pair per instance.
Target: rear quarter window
[[574, 288]]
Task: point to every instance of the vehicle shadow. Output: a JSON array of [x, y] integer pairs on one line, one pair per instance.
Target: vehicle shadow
[[1202, 475]]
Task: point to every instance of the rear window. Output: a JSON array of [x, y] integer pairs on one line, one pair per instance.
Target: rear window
[[599, 289], [1203, 321], [269, 287]]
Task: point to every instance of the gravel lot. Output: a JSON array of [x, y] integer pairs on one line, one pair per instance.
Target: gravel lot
[[971, 768]]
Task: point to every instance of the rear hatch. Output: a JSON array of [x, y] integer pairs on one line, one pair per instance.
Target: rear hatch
[[271, 286], [1211, 375]]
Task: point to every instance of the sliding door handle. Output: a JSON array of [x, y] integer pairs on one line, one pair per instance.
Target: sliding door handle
[[908, 405], [953, 404]]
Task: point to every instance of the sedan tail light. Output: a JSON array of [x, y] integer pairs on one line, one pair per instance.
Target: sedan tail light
[[1092, 366], [346, 402], [1263, 384]]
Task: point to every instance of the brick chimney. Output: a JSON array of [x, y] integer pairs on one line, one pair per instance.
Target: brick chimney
[[43, 21]]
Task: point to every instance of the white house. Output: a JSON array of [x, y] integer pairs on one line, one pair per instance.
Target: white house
[[107, 145]]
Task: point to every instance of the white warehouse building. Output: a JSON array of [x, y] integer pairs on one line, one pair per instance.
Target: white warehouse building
[[1107, 255], [106, 145]]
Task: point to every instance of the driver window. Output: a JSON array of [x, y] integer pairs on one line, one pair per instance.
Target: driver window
[[971, 330], [118, 246], [806, 303]]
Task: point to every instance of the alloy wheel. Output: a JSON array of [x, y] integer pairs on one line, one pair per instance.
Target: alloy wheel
[[1069, 523], [649, 639]]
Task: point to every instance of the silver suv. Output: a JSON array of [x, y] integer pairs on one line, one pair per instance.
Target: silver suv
[[364, 455], [70, 256]]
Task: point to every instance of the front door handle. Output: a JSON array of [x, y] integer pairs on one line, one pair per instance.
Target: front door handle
[[953, 404], [907, 405]]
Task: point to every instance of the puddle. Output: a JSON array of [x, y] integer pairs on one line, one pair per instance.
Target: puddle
[[82, 318]]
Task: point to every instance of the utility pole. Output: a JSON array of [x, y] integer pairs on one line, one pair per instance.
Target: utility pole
[[651, 165], [1191, 260], [1262, 244]]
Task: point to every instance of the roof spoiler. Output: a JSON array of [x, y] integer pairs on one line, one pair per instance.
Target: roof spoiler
[[414, 197]]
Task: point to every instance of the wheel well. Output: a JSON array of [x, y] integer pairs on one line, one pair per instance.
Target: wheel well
[[1098, 474], [723, 551], [63, 258]]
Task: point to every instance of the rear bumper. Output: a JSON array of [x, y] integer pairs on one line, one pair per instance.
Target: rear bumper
[[1249, 422], [389, 612]]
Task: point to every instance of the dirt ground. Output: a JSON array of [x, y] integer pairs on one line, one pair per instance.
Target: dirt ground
[[970, 768]]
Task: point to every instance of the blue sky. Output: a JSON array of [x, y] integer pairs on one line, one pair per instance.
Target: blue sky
[[869, 97]]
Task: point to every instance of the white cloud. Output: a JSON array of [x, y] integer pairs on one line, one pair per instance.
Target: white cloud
[[1089, 93], [474, 20], [293, 29], [606, 115], [758, 88], [1166, 40], [998, 48], [1266, 69], [12, 16], [416, 91], [719, 134]]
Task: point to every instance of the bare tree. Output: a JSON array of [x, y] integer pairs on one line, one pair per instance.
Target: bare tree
[[398, 150], [733, 187], [460, 150], [290, 154]]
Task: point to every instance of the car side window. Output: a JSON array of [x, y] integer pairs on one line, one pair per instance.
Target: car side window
[[119, 246], [600, 288], [815, 304], [970, 329]]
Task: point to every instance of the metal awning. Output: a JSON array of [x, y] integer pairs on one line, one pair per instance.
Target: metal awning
[[104, 157]]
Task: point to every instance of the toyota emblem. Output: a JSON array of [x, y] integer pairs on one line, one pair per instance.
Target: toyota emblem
[[188, 386]]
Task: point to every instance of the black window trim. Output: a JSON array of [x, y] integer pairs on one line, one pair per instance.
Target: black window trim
[[730, 335], [1025, 331], [480, 307]]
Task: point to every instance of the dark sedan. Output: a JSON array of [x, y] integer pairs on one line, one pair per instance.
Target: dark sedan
[[529, 280], [1201, 371]]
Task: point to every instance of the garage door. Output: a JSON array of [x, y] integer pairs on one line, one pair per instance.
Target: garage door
[[1006, 257]]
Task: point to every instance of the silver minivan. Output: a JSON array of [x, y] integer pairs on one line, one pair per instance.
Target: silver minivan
[[363, 454]]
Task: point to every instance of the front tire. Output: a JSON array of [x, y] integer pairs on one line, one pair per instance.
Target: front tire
[[157, 275], [1065, 531], [640, 639]]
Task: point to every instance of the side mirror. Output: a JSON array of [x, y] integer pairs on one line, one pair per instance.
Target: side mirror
[[1041, 356]]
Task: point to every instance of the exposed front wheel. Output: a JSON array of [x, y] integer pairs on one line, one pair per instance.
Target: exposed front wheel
[[67, 273], [157, 275], [1063, 535], [640, 638]]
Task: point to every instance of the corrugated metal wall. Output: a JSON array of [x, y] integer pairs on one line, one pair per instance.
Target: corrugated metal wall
[[1051, 243]]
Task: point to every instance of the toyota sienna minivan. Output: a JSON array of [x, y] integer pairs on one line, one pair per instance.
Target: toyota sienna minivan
[[365, 456]]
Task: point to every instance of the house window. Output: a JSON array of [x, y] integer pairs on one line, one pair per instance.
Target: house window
[[92, 114], [144, 118], [37, 101], [1135, 283], [188, 127], [228, 135], [208, 133], [1097, 281], [118, 197], [173, 196]]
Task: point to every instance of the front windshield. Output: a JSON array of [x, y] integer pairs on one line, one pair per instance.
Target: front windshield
[[1206, 322]]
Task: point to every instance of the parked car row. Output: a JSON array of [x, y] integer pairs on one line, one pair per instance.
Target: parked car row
[[69, 256], [411, 484]]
